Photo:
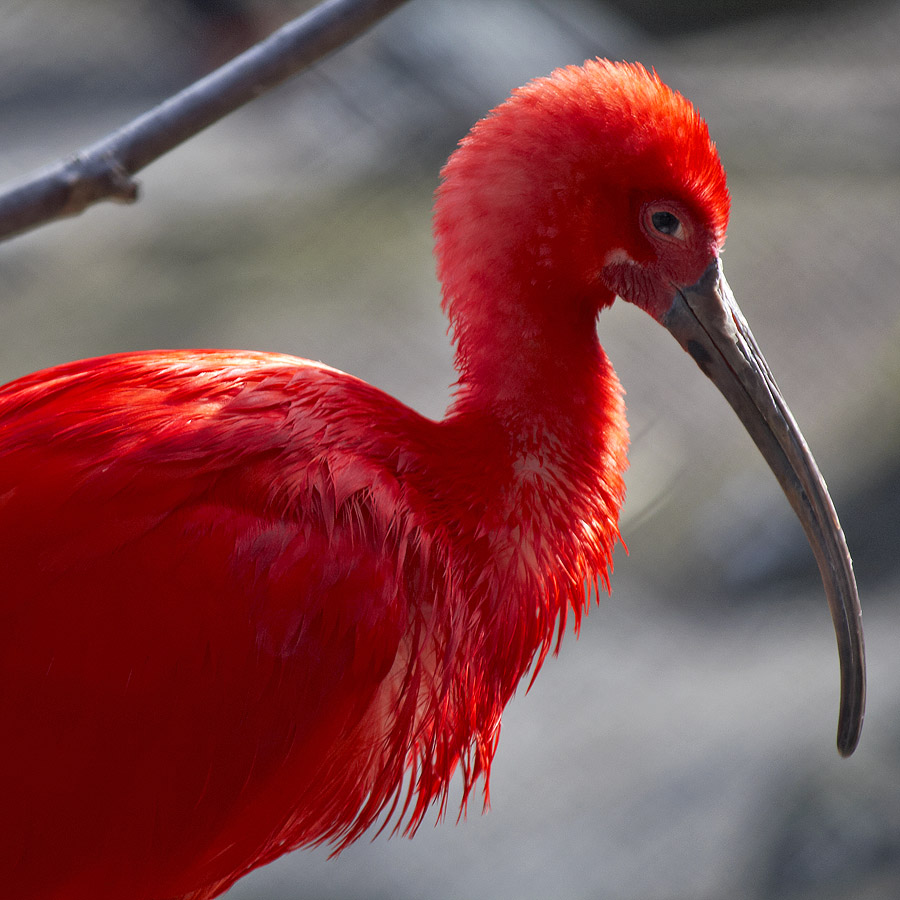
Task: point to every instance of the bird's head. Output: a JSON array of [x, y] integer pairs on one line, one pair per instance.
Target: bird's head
[[600, 181]]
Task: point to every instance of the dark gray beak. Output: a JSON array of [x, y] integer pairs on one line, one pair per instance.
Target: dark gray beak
[[706, 321]]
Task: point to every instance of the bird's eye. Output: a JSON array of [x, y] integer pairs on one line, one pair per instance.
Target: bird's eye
[[667, 223]]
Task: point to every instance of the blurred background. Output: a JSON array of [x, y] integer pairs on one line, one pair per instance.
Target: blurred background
[[683, 746]]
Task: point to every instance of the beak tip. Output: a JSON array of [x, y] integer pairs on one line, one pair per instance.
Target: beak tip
[[850, 725], [847, 745]]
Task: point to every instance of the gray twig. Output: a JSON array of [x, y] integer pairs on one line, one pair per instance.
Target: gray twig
[[104, 170]]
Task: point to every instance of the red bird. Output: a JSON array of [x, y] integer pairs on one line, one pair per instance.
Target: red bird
[[251, 603]]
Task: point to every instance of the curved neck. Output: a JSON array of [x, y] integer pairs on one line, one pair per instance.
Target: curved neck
[[531, 360]]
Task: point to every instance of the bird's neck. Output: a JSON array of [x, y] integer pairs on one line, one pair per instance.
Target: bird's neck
[[527, 355], [532, 365], [541, 410]]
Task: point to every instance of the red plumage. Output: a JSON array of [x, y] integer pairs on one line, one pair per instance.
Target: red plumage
[[252, 603], [243, 594]]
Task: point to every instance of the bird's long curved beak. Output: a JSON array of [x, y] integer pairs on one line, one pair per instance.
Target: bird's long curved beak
[[706, 321]]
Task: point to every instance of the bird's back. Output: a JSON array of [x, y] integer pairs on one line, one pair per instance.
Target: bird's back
[[202, 607]]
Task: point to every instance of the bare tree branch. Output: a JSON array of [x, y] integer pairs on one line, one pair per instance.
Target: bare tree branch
[[103, 170]]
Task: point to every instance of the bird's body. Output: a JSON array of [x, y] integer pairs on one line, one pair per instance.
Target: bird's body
[[252, 603], [322, 565]]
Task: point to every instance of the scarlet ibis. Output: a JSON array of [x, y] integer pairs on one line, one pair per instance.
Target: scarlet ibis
[[252, 603]]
